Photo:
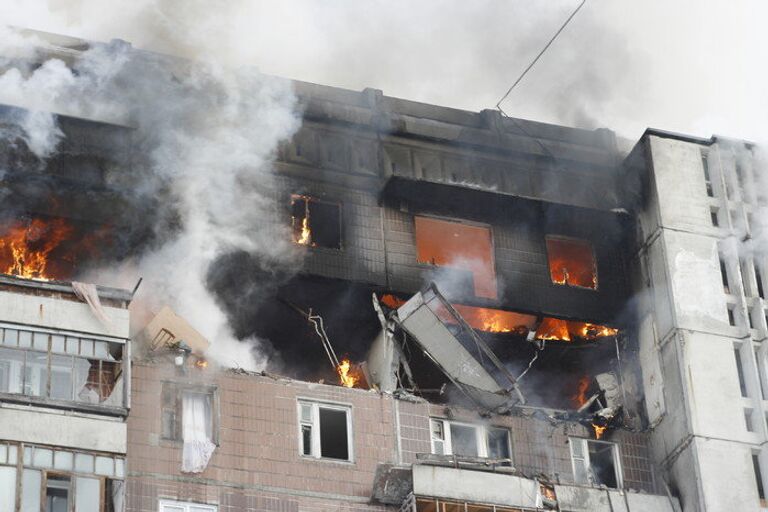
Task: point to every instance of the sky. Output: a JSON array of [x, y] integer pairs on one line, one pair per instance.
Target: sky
[[692, 66]]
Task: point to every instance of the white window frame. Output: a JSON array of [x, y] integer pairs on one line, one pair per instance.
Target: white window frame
[[584, 443], [314, 423], [481, 436], [187, 506]]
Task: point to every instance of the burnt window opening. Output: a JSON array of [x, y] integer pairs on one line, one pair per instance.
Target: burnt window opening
[[459, 246], [595, 462], [571, 262], [740, 372], [707, 175], [173, 416], [316, 223], [324, 431]]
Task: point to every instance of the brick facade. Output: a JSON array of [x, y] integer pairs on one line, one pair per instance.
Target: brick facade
[[257, 465]]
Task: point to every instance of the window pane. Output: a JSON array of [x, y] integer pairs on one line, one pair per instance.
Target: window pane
[[479, 508], [86, 348], [25, 339], [58, 343], [27, 456], [83, 391], [451, 507], [83, 463], [42, 458], [36, 374], [31, 481], [306, 439], [7, 488], [498, 443], [40, 341], [10, 337], [63, 460], [12, 452], [73, 345], [333, 434], [61, 377], [464, 440], [87, 494], [119, 468], [57, 494], [100, 349], [164, 507], [11, 370], [3, 454], [104, 466]]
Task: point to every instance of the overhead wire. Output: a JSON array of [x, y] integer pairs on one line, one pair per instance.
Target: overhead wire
[[538, 56]]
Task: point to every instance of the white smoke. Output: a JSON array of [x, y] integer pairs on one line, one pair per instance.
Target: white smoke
[[206, 134]]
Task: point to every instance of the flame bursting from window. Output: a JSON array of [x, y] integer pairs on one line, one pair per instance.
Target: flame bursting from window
[[500, 321], [347, 374], [571, 262], [568, 330], [25, 247]]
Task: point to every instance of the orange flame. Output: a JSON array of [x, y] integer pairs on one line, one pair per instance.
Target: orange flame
[[348, 377], [201, 364], [599, 430], [304, 236], [580, 398], [25, 247]]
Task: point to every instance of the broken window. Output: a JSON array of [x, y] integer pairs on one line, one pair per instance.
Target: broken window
[[454, 438], [461, 247], [316, 223], [571, 262], [188, 415], [178, 506], [202, 398], [325, 431], [595, 462], [63, 480], [53, 365]]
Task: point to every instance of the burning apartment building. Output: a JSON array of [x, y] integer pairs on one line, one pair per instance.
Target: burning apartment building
[[468, 312]]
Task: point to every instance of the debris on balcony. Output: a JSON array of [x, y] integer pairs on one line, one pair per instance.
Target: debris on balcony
[[167, 329]]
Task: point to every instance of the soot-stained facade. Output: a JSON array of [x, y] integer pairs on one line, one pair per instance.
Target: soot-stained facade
[[461, 332]]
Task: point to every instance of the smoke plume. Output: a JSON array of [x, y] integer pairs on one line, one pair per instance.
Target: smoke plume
[[205, 137]]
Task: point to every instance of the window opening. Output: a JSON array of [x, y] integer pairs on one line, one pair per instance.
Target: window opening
[[452, 438], [748, 420], [740, 372], [324, 431], [571, 262], [713, 217], [461, 247], [760, 360], [178, 506], [57, 494], [731, 315], [758, 478], [595, 462], [316, 223], [707, 175], [724, 276], [759, 280]]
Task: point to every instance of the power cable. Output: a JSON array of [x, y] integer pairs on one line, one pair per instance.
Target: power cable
[[536, 59]]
